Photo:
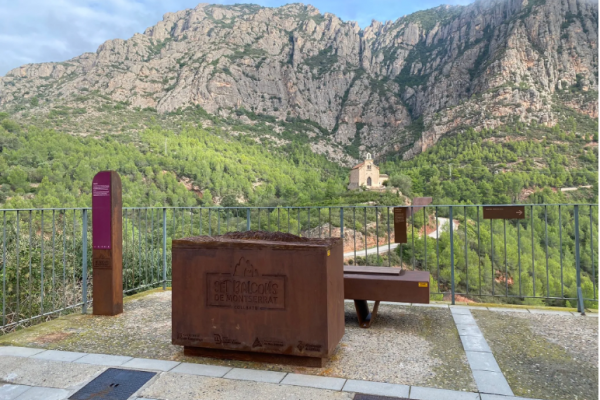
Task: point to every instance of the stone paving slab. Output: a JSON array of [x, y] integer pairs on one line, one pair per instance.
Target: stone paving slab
[[488, 376], [189, 387], [461, 307], [255, 375], [57, 374], [421, 393], [44, 393], [475, 343], [463, 319], [214, 371], [11, 392], [155, 365], [468, 330], [103, 359], [19, 351], [55, 355], [458, 310], [482, 361], [318, 382], [376, 388], [492, 382]]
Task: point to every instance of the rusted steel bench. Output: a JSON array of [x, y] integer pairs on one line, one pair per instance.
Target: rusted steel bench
[[383, 284]]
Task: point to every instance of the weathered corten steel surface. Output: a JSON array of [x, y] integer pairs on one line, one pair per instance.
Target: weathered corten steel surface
[[107, 239], [504, 212], [419, 201], [404, 287], [258, 292], [400, 215]]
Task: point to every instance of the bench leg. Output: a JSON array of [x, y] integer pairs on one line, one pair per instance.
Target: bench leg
[[365, 318]]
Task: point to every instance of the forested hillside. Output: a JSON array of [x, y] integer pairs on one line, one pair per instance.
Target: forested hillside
[[186, 164], [44, 168], [506, 165]]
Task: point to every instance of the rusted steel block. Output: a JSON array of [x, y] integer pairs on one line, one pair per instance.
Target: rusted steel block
[[403, 286], [258, 292]]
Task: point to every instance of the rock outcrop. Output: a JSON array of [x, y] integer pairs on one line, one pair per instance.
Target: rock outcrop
[[393, 87]]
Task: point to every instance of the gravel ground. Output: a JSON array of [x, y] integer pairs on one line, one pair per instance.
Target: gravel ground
[[544, 356], [405, 345]]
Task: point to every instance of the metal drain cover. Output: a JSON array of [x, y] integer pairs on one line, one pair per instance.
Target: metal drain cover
[[361, 396], [114, 384]]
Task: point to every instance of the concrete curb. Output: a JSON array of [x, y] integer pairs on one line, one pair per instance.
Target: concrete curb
[[259, 376]]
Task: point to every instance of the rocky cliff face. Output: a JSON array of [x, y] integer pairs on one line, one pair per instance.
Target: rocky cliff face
[[393, 87]]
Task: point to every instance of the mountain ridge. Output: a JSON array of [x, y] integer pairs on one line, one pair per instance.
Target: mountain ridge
[[391, 88]]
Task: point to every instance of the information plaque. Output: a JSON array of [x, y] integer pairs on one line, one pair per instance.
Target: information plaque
[[504, 212], [107, 243], [400, 214]]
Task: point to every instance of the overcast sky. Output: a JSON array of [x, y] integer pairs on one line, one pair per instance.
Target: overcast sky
[[34, 31]]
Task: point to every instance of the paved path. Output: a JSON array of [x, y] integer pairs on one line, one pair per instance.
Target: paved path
[[38, 374], [383, 248], [442, 223], [488, 376], [183, 381]]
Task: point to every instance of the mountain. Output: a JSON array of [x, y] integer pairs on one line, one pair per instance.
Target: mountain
[[393, 88]]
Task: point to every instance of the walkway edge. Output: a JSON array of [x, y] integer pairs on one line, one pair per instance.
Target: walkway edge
[[303, 380]]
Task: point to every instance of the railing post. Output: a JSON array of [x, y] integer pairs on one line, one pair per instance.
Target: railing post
[[164, 249], [342, 223], [451, 255], [580, 306], [247, 219], [83, 260]]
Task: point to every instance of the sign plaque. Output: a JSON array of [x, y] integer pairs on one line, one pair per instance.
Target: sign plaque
[[107, 242], [419, 201], [400, 214], [504, 212]]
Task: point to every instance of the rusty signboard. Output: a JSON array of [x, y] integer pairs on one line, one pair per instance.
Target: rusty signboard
[[400, 216], [259, 296], [107, 244], [419, 201], [504, 212]]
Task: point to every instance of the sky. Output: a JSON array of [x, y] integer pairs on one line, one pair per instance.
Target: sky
[[33, 31]]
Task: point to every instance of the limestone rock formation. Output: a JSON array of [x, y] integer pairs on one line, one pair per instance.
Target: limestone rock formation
[[393, 87]]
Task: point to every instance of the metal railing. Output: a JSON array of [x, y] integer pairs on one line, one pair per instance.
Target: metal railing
[[549, 256]]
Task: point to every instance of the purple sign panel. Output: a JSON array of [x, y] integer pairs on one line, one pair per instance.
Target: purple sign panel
[[101, 207]]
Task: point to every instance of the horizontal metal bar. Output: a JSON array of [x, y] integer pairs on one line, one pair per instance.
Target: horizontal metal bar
[[362, 206], [516, 296], [311, 207]]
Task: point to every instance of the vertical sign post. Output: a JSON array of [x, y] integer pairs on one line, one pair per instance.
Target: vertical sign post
[[107, 253]]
